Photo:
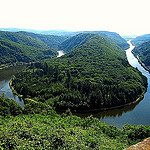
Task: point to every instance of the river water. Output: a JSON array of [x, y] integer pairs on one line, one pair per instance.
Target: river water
[[5, 77], [60, 53], [134, 114]]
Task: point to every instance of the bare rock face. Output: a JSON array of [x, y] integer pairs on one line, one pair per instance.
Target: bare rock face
[[145, 145]]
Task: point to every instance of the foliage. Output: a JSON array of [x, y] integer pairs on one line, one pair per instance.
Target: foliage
[[9, 107], [75, 42], [27, 47], [37, 126], [95, 75], [143, 51], [116, 38]]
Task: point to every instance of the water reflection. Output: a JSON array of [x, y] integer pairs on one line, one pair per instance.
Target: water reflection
[[109, 113], [5, 77]]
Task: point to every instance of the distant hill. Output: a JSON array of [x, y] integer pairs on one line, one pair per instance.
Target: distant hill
[[32, 39], [116, 38], [75, 41], [12, 52], [143, 51], [141, 39], [109, 35], [21, 46], [94, 75]]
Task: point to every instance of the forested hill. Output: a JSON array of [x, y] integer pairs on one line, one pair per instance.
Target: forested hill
[[95, 75], [116, 38], [12, 52], [27, 47], [81, 38], [141, 39], [75, 42], [143, 51], [51, 40], [32, 39]]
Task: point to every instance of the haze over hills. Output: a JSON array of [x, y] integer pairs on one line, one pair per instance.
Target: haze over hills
[[141, 39]]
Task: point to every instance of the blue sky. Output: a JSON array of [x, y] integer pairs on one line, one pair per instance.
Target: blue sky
[[126, 17]]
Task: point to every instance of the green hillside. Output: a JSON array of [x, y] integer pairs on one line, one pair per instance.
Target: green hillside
[[141, 39], [95, 75], [52, 41], [81, 38], [143, 51], [116, 38], [37, 126], [75, 41], [12, 52], [26, 47]]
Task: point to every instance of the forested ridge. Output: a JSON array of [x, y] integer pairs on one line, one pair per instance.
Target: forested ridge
[[95, 75], [12, 52], [143, 51], [75, 41], [141, 39], [27, 47]]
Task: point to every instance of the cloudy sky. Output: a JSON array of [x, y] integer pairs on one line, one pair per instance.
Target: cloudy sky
[[126, 17]]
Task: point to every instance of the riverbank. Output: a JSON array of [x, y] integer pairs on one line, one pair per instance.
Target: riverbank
[[103, 109], [142, 64], [6, 66], [80, 111], [20, 96]]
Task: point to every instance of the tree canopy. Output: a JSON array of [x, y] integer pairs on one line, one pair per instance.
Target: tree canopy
[[95, 75]]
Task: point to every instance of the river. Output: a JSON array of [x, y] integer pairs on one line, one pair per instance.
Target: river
[[134, 114], [60, 53], [5, 77]]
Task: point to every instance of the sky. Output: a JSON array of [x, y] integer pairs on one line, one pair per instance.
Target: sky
[[126, 17]]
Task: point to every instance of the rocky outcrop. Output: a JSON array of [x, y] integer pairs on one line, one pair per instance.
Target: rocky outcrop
[[144, 145]]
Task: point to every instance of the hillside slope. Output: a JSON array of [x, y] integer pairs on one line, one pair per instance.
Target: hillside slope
[[143, 51], [95, 75], [141, 39], [25, 47], [75, 42], [116, 38], [80, 39], [52, 41], [37, 126], [12, 52]]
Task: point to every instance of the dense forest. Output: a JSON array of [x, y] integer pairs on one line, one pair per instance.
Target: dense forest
[[38, 126], [27, 47], [95, 75], [143, 51], [12, 52], [69, 44], [141, 39]]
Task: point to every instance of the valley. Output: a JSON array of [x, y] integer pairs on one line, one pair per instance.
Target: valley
[[96, 73]]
